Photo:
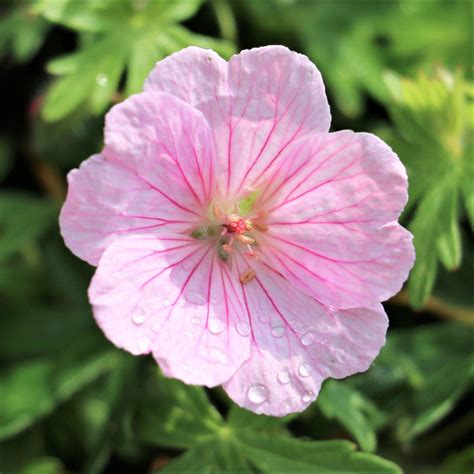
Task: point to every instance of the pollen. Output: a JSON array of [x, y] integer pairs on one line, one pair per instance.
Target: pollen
[[247, 276]]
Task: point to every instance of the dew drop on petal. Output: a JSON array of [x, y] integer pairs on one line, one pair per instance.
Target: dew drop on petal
[[304, 370], [264, 318], [139, 316], [340, 355], [307, 339], [283, 377], [188, 264], [278, 331], [243, 328], [307, 396], [144, 344], [195, 320], [217, 355], [197, 298], [257, 393], [216, 325]]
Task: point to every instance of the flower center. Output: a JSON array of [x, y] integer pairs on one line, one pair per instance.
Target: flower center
[[238, 225], [228, 230]]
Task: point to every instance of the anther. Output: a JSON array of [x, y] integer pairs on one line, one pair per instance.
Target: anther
[[217, 211], [260, 226], [245, 239], [247, 276]]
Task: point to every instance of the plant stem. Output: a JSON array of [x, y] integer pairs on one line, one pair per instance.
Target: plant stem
[[439, 308]]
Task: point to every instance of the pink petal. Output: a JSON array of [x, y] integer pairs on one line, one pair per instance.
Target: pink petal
[[257, 105], [155, 175], [332, 209], [171, 296], [297, 343]]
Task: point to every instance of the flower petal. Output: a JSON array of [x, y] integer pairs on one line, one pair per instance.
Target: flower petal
[[155, 174], [169, 144], [170, 296], [297, 343], [332, 209], [256, 105], [106, 200]]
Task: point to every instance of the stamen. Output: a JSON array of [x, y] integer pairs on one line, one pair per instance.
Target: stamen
[[247, 276], [217, 211], [227, 248], [245, 239], [260, 226]]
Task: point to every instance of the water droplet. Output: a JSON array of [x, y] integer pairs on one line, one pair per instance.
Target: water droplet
[[144, 344], [197, 298], [307, 396], [216, 325], [165, 303], [243, 328], [304, 370], [264, 318], [283, 377], [188, 264], [102, 79], [195, 320], [340, 355], [278, 331], [218, 355], [307, 339], [257, 393], [139, 316]]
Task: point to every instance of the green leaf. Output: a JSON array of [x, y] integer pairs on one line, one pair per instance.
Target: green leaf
[[455, 288], [426, 227], [355, 412], [117, 36], [19, 451], [22, 32], [59, 327], [45, 465], [142, 58], [84, 16], [23, 219], [285, 454], [410, 384], [240, 418], [432, 139], [215, 456], [198, 459], [94, 74], [449, 240], [353, 63], [459, 462], [69, 141], [31, 390], [175, 415]]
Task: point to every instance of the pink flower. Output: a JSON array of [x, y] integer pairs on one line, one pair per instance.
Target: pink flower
[[236, 239]]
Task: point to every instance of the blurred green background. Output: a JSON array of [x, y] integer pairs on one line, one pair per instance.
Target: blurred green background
[[71, 403]]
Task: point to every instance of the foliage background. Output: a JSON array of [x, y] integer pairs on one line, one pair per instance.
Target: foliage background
[[71, 403]]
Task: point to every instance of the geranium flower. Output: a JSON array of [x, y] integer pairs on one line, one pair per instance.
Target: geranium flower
[[236, 239]]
